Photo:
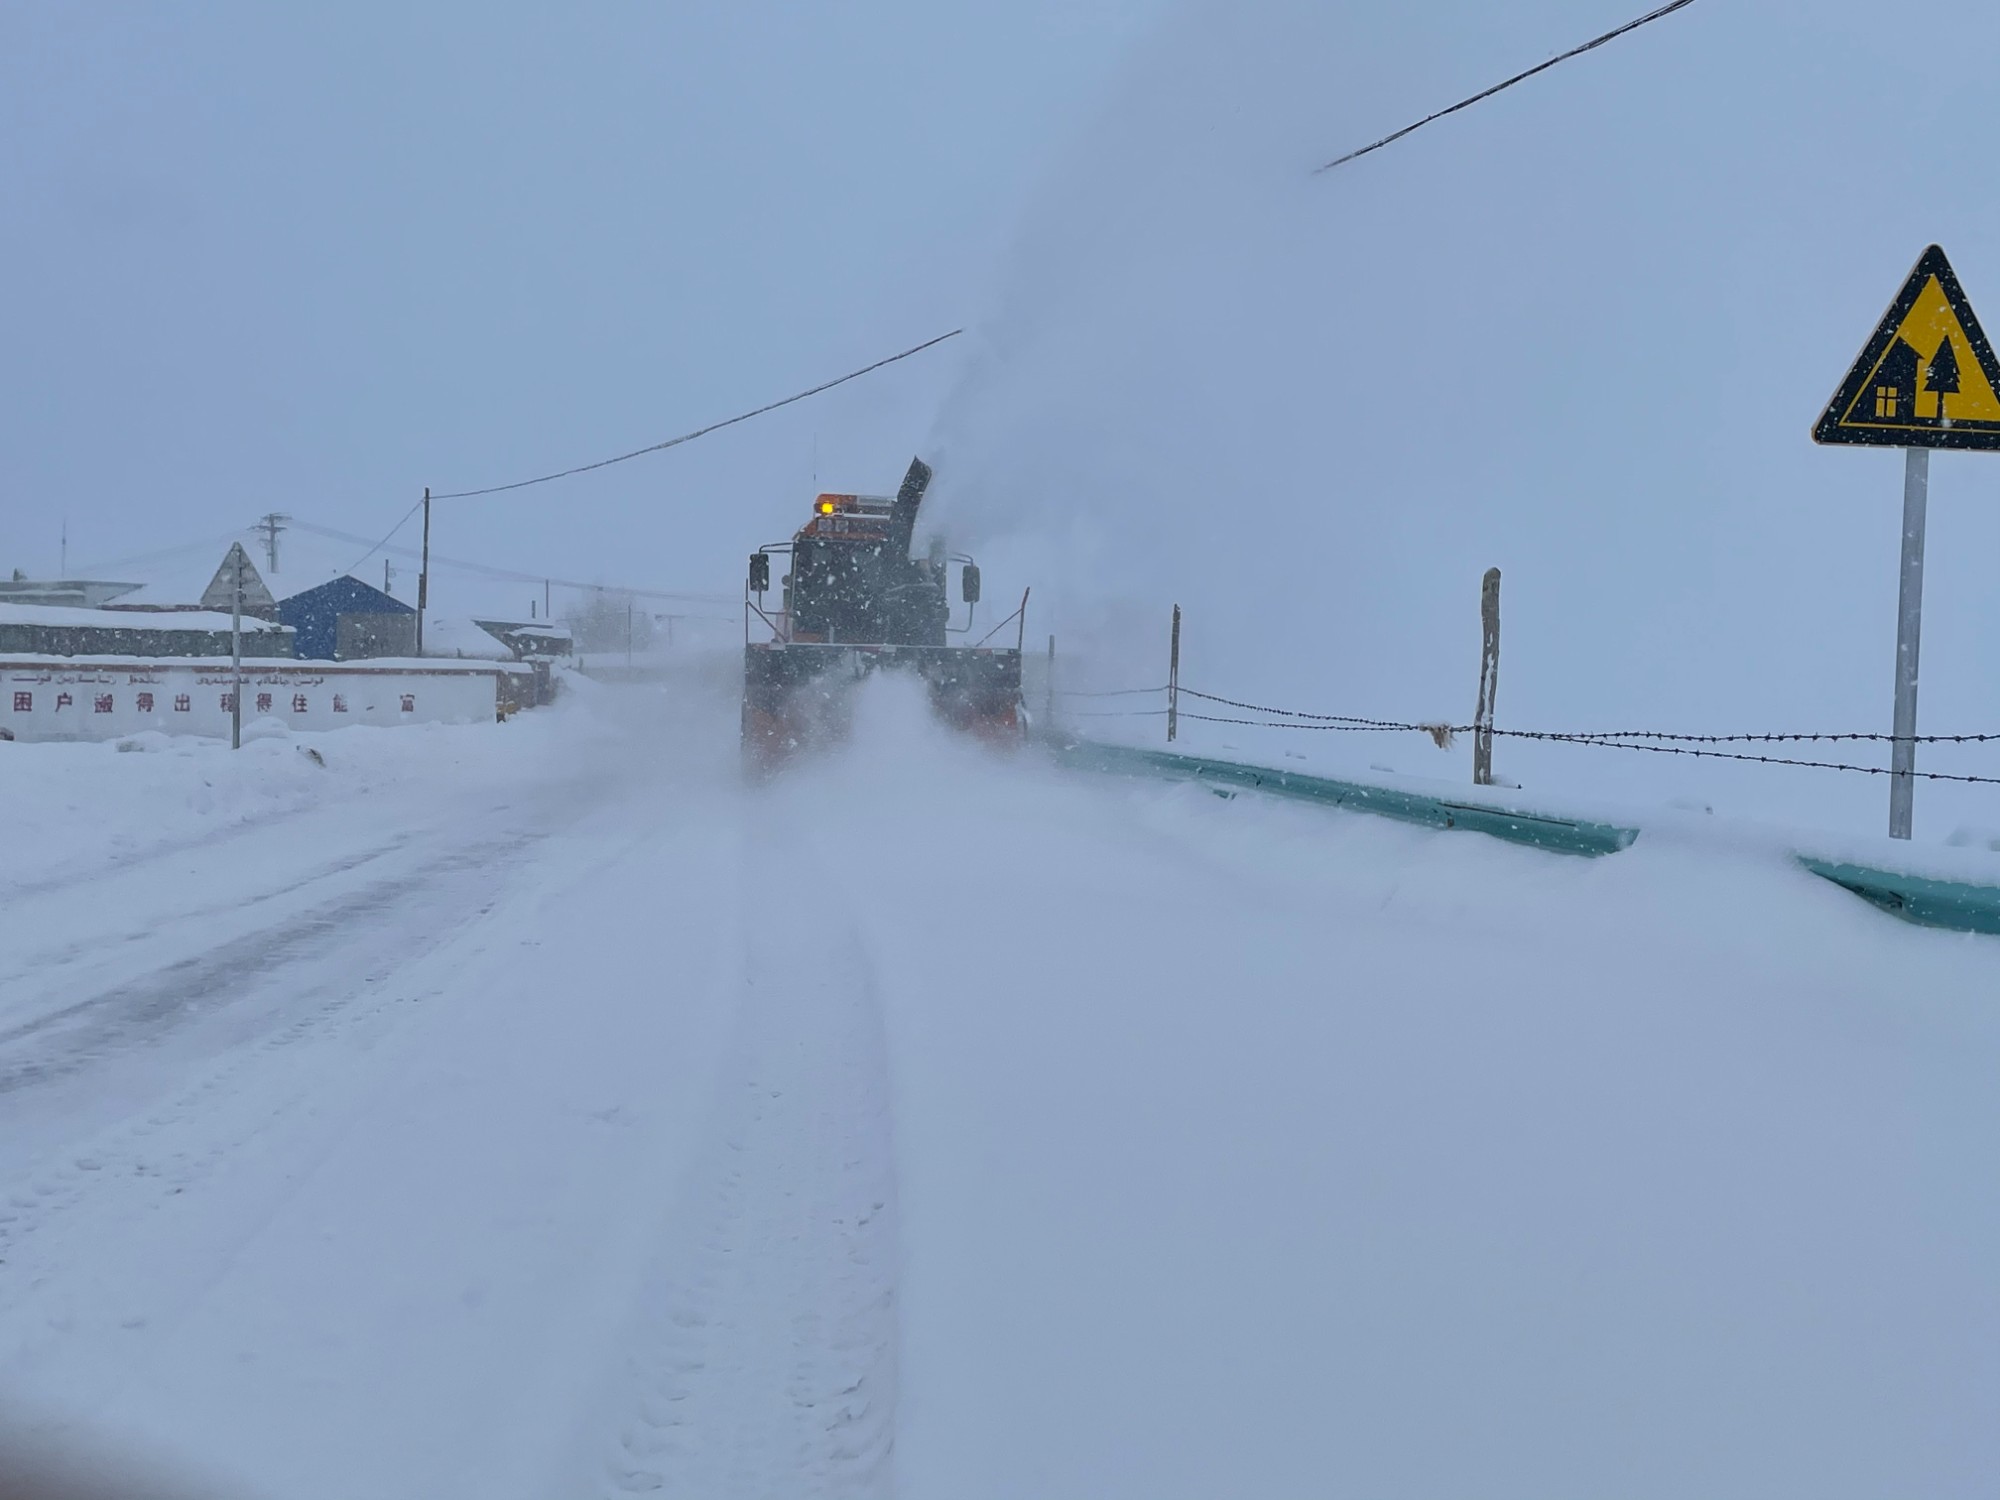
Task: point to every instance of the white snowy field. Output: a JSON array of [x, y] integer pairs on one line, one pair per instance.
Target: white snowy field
[[535, 1109]]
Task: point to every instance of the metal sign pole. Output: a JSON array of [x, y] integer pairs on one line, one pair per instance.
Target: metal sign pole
[[1909, 628], [1927, 378]]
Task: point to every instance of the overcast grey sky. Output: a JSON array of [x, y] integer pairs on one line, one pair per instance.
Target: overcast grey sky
[[314, 257]]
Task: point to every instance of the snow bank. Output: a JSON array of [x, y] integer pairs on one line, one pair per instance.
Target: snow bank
[[1251, 1150], [69, 809]]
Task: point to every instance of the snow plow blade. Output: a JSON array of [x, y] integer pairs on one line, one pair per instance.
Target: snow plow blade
[[799, 695]]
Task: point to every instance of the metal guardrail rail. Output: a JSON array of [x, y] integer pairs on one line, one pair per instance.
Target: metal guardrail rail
[[1515, 825], [1927, 901], [1956, 905]]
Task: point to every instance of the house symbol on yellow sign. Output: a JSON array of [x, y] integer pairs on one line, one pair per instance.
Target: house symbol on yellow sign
[[1927, 378]]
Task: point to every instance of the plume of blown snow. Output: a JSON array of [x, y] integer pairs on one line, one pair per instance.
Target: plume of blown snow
[[1579, 333]]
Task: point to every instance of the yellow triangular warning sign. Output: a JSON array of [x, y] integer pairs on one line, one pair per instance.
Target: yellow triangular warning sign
[[1927, 379]]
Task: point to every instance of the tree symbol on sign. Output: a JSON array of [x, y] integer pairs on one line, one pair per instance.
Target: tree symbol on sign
[[1941, 374]]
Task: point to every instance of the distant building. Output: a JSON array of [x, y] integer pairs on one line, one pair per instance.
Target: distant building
[[51, 630], [462, 639], [348, 620], [69, 593], [108, 697], [536, 642], [530, 640]]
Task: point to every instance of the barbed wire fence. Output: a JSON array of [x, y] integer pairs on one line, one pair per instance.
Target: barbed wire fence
[[1444, 733]]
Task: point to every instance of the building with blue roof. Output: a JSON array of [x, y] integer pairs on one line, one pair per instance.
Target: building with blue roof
[[345, 619]]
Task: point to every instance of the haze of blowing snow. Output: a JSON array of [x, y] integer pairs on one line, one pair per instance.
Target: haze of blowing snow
[[1580, 334]]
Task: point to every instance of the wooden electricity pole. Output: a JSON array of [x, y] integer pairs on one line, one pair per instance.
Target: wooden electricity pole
[[424, 573], [1174, 681], [1049, 691], [1489, 678]]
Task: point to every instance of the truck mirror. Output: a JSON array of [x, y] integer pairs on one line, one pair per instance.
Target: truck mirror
[[968, 583], [760, 572]]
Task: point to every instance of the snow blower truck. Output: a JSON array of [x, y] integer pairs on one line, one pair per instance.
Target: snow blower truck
[[856, 602]]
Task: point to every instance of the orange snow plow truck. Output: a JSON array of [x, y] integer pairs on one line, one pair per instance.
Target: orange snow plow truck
[[854, 602]]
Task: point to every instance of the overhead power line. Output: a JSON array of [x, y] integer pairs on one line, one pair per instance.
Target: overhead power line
[[137, 558], [387, 538], [674, 442], [688, 437], [512, 575], [1589, 46]]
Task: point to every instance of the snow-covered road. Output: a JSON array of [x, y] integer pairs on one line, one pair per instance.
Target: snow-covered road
[[580, 1122]]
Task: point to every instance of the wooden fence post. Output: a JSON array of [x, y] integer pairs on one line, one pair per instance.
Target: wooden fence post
[[1049, 691], [1489, 678]]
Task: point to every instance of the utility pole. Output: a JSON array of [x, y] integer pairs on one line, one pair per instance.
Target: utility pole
[[424, 573], [545, 601], [272, 525], [1049, 691], [236, 657], [1174, 681], [1489, 678], [63, 570]]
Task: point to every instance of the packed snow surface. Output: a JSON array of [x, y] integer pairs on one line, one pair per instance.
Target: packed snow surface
[[536, 1109]]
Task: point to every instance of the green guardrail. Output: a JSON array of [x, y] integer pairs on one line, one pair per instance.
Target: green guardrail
[[1929, 902], [1516, 825], [1954, 905]]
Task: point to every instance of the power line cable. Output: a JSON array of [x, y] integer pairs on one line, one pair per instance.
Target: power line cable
[[512, 575], [1589, 46], [385, 540], [164, 552], [674, 442], [688, 437]]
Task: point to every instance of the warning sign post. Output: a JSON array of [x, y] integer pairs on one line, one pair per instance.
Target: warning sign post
[[1926, 379]]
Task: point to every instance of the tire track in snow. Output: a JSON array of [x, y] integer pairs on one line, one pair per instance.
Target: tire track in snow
[[291, 974], [130, 1013], [26, 887], [765, 1353], [201, 1171]]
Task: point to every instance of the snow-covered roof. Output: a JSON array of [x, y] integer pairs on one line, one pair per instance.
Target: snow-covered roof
[[455, 635], [65, 617], [82, 593], [260, 667]]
